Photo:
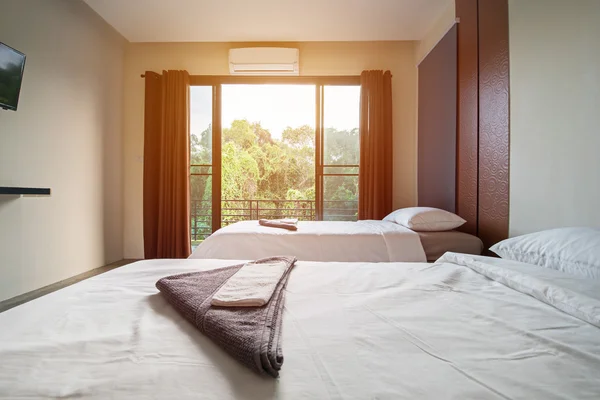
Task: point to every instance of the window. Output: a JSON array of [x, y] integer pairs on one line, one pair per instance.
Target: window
[[272, 150], [341, 152], [268, 150], [201, 169]]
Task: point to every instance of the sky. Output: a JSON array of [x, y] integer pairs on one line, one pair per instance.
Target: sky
[[276, 106]]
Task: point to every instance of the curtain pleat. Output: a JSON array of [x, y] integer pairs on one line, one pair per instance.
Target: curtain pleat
[[376, 163], [166, 166], [152, 137]]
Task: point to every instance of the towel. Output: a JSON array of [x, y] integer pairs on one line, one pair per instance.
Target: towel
[[251, 286], [290, 224], [252, 335]]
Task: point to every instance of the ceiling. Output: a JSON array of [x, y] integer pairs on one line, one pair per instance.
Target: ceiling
[[269, 20]]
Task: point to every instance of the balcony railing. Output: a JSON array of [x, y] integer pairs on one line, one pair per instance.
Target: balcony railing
[[244, 210]]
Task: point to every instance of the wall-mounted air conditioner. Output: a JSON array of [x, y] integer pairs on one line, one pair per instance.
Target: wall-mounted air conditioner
[[264, 61]]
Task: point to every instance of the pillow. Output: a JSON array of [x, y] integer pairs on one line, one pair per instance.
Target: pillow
[[425, 219], [571, 250]]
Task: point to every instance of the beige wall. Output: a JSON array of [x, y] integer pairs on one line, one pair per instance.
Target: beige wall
[[436, 32], [322, 58], [66, 135], [555, 114]]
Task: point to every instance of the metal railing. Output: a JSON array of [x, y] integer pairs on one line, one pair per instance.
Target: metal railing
[[244, 210]]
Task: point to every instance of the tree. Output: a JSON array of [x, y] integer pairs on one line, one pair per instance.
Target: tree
[[263, 136], [301, 137], [201, 147], [240, 134], [341, 147], [280, 173]]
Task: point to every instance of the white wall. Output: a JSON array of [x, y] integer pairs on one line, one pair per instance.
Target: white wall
[[555, 114], [437, 30], [66, 135], [316, 58]]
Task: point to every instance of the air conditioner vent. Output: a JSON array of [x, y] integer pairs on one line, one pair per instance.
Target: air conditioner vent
[[264, 61]]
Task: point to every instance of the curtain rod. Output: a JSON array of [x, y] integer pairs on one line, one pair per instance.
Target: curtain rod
[[199, 80]]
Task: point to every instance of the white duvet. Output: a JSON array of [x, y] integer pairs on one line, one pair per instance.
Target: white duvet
[[369, 241], [350, 331]]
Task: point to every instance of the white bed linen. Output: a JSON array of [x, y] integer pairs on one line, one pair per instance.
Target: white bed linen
[[369, 241], [350, 331]]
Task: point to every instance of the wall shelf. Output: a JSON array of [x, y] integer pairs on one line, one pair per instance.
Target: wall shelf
[[23, 191]]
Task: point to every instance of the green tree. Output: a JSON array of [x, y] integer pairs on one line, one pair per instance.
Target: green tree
[[302, 137], [240, 134], [279, 172]]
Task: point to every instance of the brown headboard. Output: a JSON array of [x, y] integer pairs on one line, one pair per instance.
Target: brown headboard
[[479, 176]]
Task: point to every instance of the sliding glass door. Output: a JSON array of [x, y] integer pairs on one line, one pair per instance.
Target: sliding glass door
[[201, 162], [281, 150], [341, 153], [268, 139]]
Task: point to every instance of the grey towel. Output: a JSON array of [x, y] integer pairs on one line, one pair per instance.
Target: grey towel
[[252, 335]]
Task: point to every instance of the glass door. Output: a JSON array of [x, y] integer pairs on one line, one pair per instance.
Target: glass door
[[340, 153], [201, 163], [268, 152], [272, 150]]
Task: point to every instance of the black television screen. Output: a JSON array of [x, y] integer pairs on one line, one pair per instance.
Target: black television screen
[[12, 63]]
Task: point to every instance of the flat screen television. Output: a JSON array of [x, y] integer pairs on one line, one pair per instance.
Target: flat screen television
[[12, 64]]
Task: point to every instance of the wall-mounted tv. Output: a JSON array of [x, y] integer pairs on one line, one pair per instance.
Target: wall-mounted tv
[[12, 63]]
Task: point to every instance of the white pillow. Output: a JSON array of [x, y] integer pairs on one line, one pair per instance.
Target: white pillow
[[571, 250], [425, 219]]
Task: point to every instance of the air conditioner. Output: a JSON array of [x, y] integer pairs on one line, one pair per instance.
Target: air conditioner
[[264, 61]]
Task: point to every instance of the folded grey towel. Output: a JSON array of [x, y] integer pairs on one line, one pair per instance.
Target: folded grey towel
[[250, 334]]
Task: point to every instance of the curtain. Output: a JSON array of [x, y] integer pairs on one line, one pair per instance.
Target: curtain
[[166, 165], [375, 168]]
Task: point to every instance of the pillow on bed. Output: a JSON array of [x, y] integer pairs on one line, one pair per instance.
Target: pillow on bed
[[572, 250], [425, 219]]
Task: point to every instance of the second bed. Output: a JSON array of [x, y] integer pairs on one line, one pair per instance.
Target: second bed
[[360, 241]]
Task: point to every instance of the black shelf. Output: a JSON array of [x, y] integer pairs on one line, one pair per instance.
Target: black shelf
[[17, 191]]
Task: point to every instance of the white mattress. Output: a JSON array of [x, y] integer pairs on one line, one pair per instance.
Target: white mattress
[[350, 330], [369, 241]]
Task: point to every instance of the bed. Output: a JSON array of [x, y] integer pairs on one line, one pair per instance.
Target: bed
[[463, 327], [368, 241], [375, 241]]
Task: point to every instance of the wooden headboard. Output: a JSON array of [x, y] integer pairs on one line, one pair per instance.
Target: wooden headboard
[[469, 70]]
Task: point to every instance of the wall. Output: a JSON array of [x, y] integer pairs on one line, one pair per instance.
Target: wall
[[436, 32], [66, 135], [555, 103], [436, 166], [316, 58]]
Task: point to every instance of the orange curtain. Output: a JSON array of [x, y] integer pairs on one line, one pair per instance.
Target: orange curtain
[[375, 169], [167, 165]]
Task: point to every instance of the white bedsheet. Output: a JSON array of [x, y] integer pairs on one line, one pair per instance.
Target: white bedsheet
[[369, 241], [350, 331]]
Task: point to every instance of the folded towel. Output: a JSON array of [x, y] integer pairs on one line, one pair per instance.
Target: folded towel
[[249, 334], [286, 223], [293, 221], [251, 286]]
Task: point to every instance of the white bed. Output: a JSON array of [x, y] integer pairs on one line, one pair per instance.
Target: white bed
[[369, 241], [350, 331]]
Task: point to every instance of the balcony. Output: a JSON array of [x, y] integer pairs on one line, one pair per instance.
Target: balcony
[[245, 210]]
